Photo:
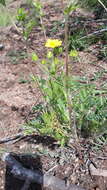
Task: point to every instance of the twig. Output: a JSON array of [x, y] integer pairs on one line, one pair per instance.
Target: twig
[[102, 157], [8, 139], [51, 169], [102, 5], [87, 21], [94, 33]]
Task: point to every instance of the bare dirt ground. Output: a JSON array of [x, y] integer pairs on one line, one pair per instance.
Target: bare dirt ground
[[17, 96]]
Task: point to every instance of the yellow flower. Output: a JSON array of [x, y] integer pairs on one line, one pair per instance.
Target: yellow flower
[[53, 43]]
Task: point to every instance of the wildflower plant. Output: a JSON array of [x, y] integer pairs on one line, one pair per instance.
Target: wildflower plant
[[55, 117], [29, 18], [70, 102], [88, 103], [54, 88]]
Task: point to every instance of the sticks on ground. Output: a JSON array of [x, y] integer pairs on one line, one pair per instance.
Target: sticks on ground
[[13, 138]]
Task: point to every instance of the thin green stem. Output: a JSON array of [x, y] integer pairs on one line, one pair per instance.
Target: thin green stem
[[43, 27], [66, 48], [69, 103]]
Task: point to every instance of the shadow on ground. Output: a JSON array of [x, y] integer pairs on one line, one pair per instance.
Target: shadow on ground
[[32, 162]]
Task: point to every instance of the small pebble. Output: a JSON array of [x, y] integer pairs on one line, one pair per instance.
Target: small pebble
[[22, 146], [1, 47], [2, 172]]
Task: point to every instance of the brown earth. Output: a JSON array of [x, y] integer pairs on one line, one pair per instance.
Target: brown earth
[[17, 96]]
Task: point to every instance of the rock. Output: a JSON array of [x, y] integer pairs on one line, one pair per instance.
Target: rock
[[1, 47]]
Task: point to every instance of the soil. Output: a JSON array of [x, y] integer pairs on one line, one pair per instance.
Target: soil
[[18, 94]]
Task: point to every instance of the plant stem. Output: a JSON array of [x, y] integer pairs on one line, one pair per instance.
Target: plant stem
[[66, 68], [12, 20], [66, 49], [42, 24], [69, 103], [43, 28]]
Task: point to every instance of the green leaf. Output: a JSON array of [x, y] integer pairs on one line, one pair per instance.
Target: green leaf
[[37, 4], [63, 141], [34, 57], [3, 2], [43, 62], [70, 9], [73, 53], [49, 54], [21, 14]]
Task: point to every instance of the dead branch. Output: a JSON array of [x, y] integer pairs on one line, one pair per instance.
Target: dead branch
[[31, 176], [94, 33], [18, 136], [102, 5]]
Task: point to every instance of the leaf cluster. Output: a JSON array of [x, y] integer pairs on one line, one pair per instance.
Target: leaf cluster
[[90, 106], [3, 2], [29, 17]]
